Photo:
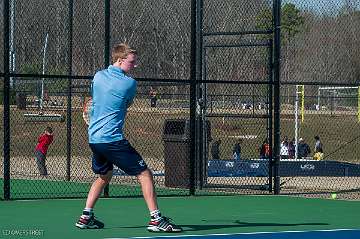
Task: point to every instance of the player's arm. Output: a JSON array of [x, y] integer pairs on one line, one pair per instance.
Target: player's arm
[[131, 94]]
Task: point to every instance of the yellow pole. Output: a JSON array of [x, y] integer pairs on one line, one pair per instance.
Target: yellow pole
[[302, 103]]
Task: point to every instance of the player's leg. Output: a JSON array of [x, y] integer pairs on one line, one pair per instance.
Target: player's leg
[[87, 220], [147, 186], [158, 223], [131, 162], [40, 162], [103, 167], [45, 173], [124, 156], [96, 189]]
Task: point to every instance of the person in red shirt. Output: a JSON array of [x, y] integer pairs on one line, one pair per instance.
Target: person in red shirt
[[265, 150], [44, 140]]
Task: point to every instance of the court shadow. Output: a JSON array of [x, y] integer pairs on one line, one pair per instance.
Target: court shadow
[[231, 224], [238, 223]]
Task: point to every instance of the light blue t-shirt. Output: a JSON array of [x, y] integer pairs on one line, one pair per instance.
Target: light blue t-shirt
[[112, 93]]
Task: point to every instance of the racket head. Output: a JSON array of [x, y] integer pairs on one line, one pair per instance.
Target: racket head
[[86, 110]]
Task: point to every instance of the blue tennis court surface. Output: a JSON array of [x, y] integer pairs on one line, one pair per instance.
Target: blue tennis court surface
[[320, 234]]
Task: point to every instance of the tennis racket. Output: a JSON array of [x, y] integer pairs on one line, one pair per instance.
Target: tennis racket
[[86, 110]]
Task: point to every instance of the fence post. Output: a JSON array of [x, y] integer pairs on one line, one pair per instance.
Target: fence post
[[107, 56], [276, 149], [270, 112], [69, 93], [195, 75], [6, 101]]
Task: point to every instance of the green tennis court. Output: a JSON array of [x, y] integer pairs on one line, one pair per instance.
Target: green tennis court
[[202, 215]]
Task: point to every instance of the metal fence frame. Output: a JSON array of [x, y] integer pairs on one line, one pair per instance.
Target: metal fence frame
[[194, 82]]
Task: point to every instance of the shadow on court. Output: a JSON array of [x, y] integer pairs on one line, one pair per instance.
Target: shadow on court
[[234, 224]]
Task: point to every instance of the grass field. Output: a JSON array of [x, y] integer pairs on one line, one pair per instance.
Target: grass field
[[144, 129]]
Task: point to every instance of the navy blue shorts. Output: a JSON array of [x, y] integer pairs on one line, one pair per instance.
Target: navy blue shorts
[[119, 153]]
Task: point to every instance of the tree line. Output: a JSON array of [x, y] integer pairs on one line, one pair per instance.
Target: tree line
[[316, 46]]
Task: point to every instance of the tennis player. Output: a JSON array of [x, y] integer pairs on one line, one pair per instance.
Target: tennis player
[[113, 92]]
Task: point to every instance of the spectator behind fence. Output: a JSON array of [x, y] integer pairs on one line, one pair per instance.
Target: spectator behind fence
[[303, 149], [318, 152], [44, 141], [265, 150], [215, 149], [153, 97], [237, 150], [284, 148], [291, 149]]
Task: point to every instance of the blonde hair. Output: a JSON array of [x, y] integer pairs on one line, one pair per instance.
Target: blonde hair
[[121, 51]]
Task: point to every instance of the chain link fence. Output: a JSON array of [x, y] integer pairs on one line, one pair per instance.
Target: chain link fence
[[238, 111], [335, 119], [56, 46], [319, 95]]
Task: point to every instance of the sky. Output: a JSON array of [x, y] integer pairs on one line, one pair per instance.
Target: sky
[[322, 5]]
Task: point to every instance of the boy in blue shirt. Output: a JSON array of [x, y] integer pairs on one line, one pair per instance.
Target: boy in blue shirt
[[113, 92]]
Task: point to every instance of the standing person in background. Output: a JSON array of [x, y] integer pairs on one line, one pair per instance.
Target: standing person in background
[[44, 141], [153, 97], [113, 91], [215, 149], [284, 148], [318, 145], [303, 149], [318, 152], [237, 150], [291, 149], [265, 150]]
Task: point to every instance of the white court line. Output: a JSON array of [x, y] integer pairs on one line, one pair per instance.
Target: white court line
[[233, 234]]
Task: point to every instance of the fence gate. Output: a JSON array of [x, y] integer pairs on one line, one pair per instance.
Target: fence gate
[[234, 99]]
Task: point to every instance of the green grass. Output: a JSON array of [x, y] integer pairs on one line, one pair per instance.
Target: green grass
[[145, 131], [340, 135]]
